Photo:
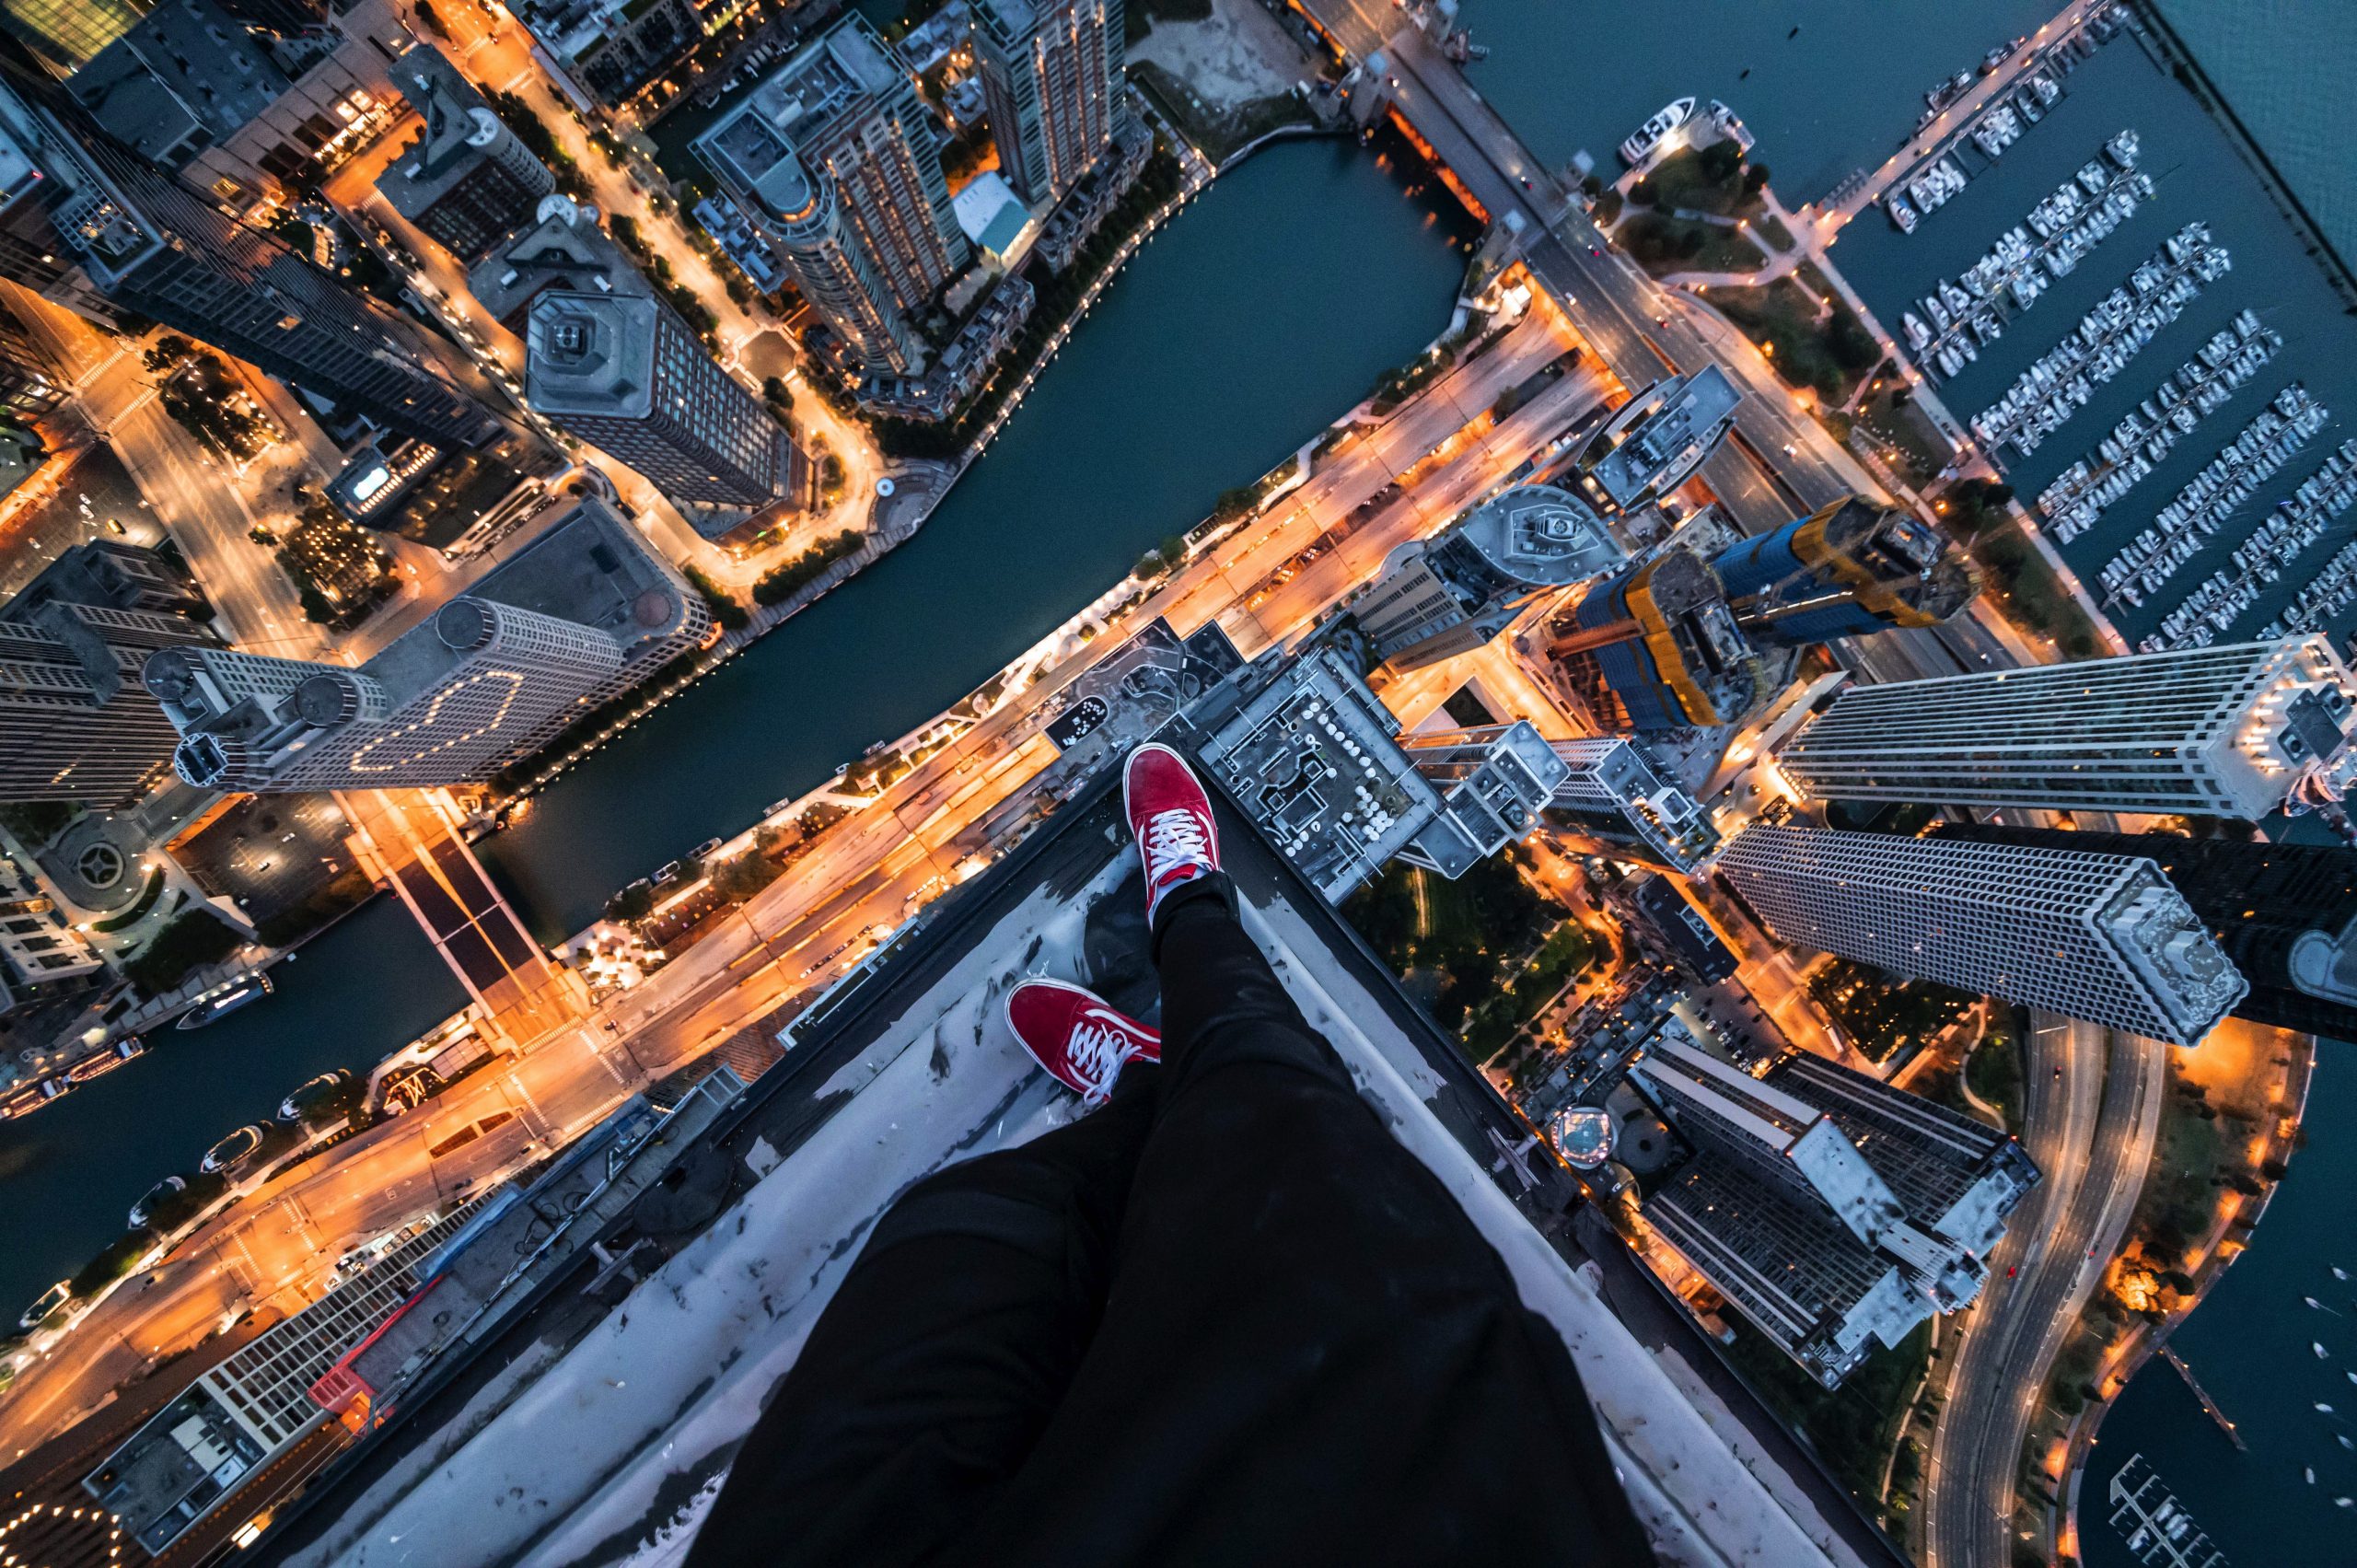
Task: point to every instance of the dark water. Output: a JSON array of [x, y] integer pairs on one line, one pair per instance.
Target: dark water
[[1257, 315], [70, 1171], [1837, 97], [2199, 177]]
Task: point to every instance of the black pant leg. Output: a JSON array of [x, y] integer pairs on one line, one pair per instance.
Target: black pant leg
[[1308, 1354], [948, 1345]]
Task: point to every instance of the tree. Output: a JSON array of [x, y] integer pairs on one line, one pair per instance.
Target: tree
[[1720, 160], [739, 879], [775, 390], [431, 19], [633, 904], [166, 352], [112, 1264], [1642, 193], [1754, 178]]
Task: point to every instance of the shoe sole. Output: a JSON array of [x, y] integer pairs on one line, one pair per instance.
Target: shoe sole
[[1128, 767]]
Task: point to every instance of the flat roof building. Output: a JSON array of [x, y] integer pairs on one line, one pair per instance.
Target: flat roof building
[[2224, 731], [832, 160], [1655, 647], [1835, 1212], [1849, 569], [2103, 938], [466, 178], [2286, 914], [1656, 441], [1449, 595], [622, 371], [573, 620]]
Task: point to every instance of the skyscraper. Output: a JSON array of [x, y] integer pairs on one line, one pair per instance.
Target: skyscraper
[[2224, 731], [1448, 595], [2286, 914], [1655, 647], [1617, 798], [2102, 937], [1653, 442], [623, 371], [1834, 1211], [466, 178], [75, 724], [574, 620], [833, 160], [148, 242], [1052, 73], [1493, 781], [1849, 569]]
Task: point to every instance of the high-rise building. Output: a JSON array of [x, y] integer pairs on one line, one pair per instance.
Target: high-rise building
[[572, 622], [624, 372], [1653, 442], [561, 248], [27, 384], [1847, 570], [2102, 937], [2286, 914], [1655, 647], [1448, 595], [227, 1428], [2224, 731], [147, 242], [1494, 781], [1052, 73], [246, 101], [833, 160], [75, 724], [1619, 798], [1834, 1211], [466, 180]]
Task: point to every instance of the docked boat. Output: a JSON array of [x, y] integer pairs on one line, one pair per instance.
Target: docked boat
[[146, 1207], [228, 999], [291, 1109], [232, 1151], [1648, 136], [41, 1311]]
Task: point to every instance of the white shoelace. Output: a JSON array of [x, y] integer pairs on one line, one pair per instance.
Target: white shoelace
[[1174, 838], [1096, 1052]]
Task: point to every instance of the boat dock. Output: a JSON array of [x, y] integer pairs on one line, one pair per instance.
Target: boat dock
[[2160, 1533], [2208, 1406]]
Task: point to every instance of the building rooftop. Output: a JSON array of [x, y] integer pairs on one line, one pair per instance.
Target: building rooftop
[[800, 106], [1541, 536], [458, 126], [186, 71], [619, 1424], [590, 568], [592, 352], [1313, 756], [563, 248], [1659, 437]]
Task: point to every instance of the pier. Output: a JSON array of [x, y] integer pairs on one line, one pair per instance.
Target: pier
[[2209, 1407], [2160, 1533]]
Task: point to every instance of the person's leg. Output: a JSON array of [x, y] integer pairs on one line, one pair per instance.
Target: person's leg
[[928, 1378], [1308, 1352]]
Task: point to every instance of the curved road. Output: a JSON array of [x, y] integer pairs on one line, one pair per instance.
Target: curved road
[[2091, 1130]]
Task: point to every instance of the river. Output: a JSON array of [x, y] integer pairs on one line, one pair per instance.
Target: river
[[1260, 312]]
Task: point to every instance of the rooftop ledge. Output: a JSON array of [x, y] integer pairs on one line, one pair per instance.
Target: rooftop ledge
[[587, 1435]]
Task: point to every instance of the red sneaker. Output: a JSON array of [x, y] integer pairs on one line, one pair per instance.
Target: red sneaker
[[1075, 1037], [1172, 816]]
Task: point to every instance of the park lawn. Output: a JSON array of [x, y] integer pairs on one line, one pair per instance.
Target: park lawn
[[1829, 357], [1663, 245], [1685, 179], [1907, 430], [2025, 583]]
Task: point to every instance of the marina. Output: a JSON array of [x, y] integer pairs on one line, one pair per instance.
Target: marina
[[2074, 499], [2270, 440], [2159, 1530], [2061, 381], [1970, 312], [2209, 611], [2002, 120]]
